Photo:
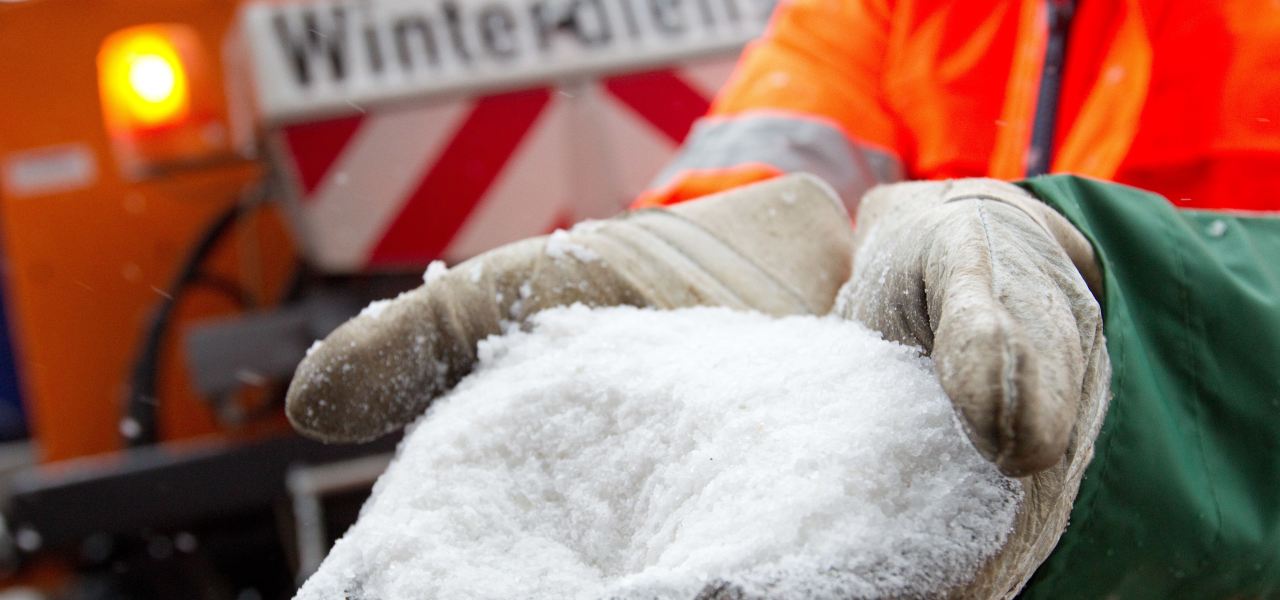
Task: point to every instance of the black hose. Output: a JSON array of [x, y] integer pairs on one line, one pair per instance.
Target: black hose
[[139, 424]]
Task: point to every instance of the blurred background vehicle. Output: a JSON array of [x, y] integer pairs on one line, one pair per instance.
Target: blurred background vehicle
[[192, 192]]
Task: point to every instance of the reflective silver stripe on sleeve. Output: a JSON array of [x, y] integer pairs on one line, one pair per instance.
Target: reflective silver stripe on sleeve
[[791, 144]]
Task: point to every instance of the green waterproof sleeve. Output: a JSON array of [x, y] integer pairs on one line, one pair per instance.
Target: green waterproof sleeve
[[1182, 499]]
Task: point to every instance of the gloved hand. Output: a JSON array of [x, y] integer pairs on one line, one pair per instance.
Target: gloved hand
[[978, 273], [996, 286], [782, 247], [1001, 291]]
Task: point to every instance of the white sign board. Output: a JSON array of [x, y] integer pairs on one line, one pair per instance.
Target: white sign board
[[316, 58]]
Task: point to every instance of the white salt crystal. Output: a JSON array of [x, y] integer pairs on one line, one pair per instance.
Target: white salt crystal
[[516, 310], [588, 226], [129, 427], [375, 308], [630, 453], [316, 345], [559, 246], [28, 539], [1216, 228], [434, 271]]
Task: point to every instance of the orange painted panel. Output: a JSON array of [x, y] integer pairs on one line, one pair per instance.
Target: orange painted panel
[[87, 265]]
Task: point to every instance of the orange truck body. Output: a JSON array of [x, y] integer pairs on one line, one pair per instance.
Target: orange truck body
[[88, 259], [441, 158]]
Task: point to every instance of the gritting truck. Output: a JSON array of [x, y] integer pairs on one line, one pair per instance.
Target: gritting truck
[[192, 192]]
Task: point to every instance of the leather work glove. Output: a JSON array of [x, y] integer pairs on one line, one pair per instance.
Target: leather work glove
[[1001, 290], [781, 247], [996, 286]]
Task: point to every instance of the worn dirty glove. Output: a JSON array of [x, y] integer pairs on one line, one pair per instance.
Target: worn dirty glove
[[996, 286], [780, 247], [1002, 292]]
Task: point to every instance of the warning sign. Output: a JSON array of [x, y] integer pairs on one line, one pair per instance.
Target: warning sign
[[319, 58]]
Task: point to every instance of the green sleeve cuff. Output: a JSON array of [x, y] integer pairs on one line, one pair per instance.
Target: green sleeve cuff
[[1182, 499]]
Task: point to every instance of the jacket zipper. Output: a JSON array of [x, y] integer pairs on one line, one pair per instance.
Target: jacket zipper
[[1040, 155]]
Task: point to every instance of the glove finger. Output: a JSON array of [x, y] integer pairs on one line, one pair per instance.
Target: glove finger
[[1007, 344], [886, 291], [379, 371]]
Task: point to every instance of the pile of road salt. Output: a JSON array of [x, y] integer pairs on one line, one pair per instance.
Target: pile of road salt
[[625, 453]]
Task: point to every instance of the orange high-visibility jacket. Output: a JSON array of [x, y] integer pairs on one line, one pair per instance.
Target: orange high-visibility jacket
[[1178, 97]]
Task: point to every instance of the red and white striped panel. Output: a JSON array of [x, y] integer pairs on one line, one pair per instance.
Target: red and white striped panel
[[398, 187]]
